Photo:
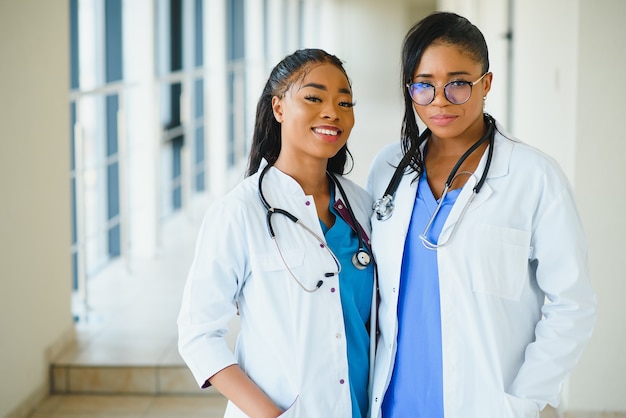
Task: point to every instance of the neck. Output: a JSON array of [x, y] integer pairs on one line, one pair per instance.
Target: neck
[[456, 146], [310, 175]]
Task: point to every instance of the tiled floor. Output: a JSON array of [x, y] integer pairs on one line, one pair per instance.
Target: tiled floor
[[105, 406], [126, 364]]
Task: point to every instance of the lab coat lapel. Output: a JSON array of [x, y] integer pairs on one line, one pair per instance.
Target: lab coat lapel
[[393, 231], [405, 199], [499, 167]]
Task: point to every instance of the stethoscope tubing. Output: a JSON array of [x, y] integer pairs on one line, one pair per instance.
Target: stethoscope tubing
[[361, 258], [384, 206]]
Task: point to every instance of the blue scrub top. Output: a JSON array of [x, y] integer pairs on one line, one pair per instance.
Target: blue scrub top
[[355, 291], [416, 386]]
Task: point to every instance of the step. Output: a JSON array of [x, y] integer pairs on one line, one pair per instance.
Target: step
[[124, 379], [123, 365]]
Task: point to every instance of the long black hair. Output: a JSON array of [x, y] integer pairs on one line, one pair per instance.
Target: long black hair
[[444, 27], [266, 139]]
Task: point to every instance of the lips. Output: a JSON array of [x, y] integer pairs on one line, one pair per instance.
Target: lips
[[327, 133], [442, 120]]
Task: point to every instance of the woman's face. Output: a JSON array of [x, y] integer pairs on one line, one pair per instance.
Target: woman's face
[[315, 114], [442, 63]]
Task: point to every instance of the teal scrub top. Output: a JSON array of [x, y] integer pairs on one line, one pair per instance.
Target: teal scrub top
[[355, 291]]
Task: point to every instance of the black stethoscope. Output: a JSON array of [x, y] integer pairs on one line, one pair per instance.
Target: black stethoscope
[[384, 206], [361, 258]]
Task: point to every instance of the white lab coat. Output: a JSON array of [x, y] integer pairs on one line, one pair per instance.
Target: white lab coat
[[506, 353], [291, 342]]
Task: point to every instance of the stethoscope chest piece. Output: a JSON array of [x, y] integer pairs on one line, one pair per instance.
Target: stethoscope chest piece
[[383, 207], [361, 259]]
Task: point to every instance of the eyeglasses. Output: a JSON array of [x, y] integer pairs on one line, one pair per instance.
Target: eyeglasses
[[457, 92]]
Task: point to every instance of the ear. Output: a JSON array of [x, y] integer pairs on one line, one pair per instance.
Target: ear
[[277, 108], [487, 83]]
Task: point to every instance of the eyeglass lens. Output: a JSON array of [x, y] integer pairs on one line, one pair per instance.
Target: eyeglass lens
[[457, 92]]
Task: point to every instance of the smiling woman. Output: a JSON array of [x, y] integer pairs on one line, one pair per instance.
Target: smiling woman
[[292, 307], [316, 118]]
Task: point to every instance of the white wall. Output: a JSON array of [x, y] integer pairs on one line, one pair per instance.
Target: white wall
[[35, 318], [599, 381], [545, 45]]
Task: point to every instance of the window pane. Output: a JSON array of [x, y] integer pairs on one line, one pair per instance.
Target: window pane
[[74, 68], [113, 40], [199, 31], [176, 35]]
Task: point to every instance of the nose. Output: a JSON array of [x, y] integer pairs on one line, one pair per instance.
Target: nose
[[330, 112], [440, 96]]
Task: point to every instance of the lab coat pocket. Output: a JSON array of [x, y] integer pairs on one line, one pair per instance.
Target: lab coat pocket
[[233, 412], [499, 261], [291, 411], [515, 407]]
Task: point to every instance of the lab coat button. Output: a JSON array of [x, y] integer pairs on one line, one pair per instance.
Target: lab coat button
[[307, 202], [332, 289], [338, 335], [342, 381]]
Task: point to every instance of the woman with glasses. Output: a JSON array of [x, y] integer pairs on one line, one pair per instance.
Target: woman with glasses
[[485, 301], [287, 250]]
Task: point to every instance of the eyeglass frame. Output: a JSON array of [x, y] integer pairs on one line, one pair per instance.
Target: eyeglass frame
[[445, 93]]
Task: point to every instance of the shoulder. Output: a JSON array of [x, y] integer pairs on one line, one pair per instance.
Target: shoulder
[[529, 168], [389, 156], [382, 167], [527, 159], [234, 205], [356, 194]]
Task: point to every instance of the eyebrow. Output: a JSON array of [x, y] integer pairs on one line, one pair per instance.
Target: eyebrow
[[453, 73], [323, 87]]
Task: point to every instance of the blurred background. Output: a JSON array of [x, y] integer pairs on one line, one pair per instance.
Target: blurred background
[[122, 119]]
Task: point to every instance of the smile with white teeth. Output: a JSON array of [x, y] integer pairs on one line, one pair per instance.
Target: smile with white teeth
[[326, 131]]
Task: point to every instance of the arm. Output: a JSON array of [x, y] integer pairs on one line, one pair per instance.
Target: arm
[[215, 279], [569, 314], [233, 383]]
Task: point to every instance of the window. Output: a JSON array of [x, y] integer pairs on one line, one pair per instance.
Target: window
[[180, 69], [199, 169], [96, 79], [236, 82]]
